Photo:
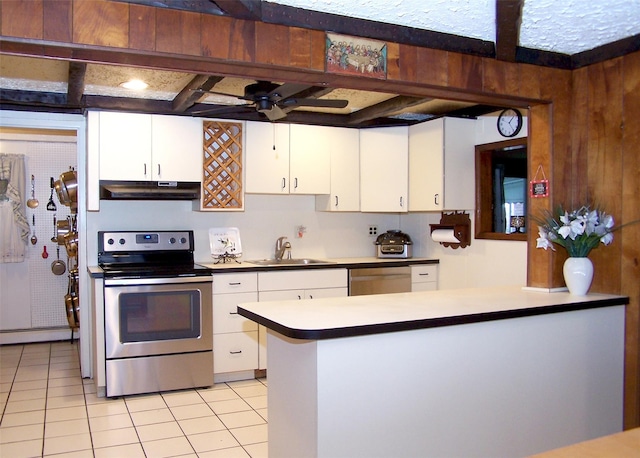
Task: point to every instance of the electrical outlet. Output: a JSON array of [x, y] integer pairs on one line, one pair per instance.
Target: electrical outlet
[[373, 230]]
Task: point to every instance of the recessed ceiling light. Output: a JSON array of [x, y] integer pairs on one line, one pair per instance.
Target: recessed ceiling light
[[135, 85]]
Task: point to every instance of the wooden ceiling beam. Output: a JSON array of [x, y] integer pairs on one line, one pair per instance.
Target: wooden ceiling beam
[[383, 109], [197, 6], [33, 98], [190, 94], [75, 85], [508, 20], [241, 9]]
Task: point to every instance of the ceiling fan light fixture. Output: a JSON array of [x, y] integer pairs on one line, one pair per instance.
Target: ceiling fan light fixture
[[263, 105], [134, 85]]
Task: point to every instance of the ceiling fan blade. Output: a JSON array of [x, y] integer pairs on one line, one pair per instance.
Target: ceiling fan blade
[[274, 113], [325, 103], [286, 90], [202, 91]]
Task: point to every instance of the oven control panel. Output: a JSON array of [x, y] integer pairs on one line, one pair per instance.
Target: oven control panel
[[145, 241]]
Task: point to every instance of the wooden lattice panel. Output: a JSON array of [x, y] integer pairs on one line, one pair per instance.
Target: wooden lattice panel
[[222, 179]]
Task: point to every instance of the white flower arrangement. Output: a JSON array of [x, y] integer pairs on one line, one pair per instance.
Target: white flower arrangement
[[578, 231]]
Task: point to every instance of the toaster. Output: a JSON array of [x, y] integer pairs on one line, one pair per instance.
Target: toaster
[[393, 244]]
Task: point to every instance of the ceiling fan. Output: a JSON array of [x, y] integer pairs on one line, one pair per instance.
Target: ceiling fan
[[272, 99]]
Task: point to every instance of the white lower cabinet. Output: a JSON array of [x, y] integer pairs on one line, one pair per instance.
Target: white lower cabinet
[[424, 277], [297, 285], [235, 338]]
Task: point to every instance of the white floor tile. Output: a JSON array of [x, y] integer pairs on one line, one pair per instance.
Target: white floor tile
[[65, 428], [111, 407], [233, 405], [26, 449], [121, 451], [27, 395], [21, 433], [106, 422], [65, 401], [234, 452], [258, 450], [66, 413], [250, 434], [65, 444], [240, 419], [158, 431], [164, 448], [174, 399], [201, 425], [251, 390], [149, 417], [212, 441], [191, 411], [140, 403], [23, 418], [113, 437], [25, 406]]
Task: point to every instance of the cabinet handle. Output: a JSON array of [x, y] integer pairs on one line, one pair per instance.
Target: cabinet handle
[[401, 202], [145, 169], [158, 169], [299, 297], [235, 352], [235, 283], [233, 313], [310, 296], [436, 199], [295, 183], [284, 183], [336, 201], [423, 274]]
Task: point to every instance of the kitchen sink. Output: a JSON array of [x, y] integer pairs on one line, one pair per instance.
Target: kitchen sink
[[289, 262]]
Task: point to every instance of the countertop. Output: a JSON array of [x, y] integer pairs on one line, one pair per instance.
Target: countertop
[[335, 263], [619, 445], [328, 318]]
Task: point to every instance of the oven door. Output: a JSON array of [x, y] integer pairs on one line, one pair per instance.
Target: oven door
[[157, 316]]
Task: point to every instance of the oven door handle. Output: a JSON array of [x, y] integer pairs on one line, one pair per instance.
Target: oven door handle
[[178, 279]]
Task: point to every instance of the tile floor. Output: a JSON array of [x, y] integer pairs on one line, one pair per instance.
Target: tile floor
[[49, 410]]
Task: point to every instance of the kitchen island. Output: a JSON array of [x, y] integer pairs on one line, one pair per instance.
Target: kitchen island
[[470, 372]]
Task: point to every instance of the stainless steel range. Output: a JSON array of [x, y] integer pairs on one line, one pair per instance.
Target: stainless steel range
[[158, 312]]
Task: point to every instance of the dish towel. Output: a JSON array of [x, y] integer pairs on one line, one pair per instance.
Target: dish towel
[[14, 227]]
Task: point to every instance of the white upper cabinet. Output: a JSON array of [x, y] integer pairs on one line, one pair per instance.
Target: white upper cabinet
[[267, 156], [310, 159], [142, 147], [345, 172], [176, 148], [384, 162], [124, 146], [442, 165], [287, 159]]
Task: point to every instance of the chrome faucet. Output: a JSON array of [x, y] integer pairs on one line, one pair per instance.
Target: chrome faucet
[[281, 247]]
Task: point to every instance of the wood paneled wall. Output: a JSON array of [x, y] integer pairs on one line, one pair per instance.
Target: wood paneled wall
[[584, 125]]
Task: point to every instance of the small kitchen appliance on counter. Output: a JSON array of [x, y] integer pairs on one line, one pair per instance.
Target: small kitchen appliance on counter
[[158, 312], [394, 244]]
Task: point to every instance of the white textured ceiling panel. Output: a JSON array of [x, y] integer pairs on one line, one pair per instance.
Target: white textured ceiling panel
[[469, 18], [563, 26], [573, 26]]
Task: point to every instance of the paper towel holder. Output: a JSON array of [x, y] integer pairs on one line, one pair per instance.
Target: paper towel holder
[[460, 223]]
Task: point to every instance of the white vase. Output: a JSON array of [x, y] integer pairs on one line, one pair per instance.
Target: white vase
[[578, 273]]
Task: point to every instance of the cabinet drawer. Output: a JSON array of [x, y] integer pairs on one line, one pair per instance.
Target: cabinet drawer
[[426, 286], [225, 313], [235, 283], [235, 352], [424, 273]]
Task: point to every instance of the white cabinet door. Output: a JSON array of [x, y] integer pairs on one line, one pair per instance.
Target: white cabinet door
[[267, 156], [309, 159], [319, 293], [384, 169], [125, 146], [424, 277], [442, 165], [426, 166], [176, 148], [226, 318], [345, 172]]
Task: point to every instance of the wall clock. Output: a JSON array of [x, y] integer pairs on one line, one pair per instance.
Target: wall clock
[[509, 122]]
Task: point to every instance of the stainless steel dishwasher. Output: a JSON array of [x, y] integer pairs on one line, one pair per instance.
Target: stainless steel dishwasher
[[379, 280]]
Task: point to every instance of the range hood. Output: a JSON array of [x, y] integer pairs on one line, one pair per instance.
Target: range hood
[[149, 190]]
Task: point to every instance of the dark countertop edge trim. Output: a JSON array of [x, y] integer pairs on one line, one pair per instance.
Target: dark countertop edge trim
[[354, 331], [247, 267]]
